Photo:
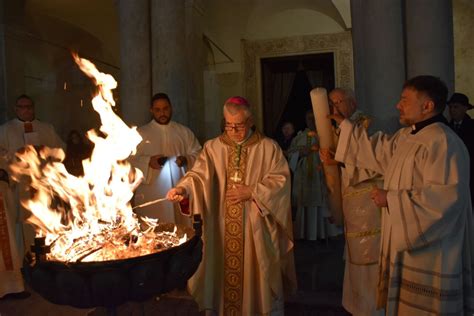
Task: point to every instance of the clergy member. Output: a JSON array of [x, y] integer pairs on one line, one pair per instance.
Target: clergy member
[[11, 281], [15, 134], [313, 217], [167, 151], [362, 218], [240, 184], [426, 247]]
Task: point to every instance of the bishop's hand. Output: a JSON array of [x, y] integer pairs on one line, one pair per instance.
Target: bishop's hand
[[176, 194], [238, 193]]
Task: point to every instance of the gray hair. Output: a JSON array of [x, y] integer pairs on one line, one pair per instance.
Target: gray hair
[[233, 108], [347, 92]]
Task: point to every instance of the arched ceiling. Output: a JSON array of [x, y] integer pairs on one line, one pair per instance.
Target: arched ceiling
[[270, 7]]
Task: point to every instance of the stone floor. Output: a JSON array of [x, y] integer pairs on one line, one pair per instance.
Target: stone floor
[[319, 268]]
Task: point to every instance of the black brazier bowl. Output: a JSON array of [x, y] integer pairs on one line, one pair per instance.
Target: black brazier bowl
[[111, 283]]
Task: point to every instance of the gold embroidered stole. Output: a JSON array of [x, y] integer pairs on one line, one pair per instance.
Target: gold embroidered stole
[[234, 226], [4, 236]]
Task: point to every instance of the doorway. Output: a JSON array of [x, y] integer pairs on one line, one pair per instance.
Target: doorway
[[286, 84]]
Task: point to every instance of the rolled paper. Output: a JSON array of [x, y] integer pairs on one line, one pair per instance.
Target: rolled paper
[[332, 174]]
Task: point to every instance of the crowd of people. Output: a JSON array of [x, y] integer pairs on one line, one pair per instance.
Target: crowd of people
[[406, 201]]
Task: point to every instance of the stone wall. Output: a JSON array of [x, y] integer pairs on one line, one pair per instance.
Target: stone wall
[[463, 15]]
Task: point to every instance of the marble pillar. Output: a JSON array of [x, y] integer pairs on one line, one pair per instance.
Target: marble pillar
[[429, 39], [3, 92], [195, 67], [379, 65], [135, 61], [168, 44], [177, 59], [14, 48]]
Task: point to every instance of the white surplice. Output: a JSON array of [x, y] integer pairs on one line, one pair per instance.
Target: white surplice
[[13, 136], [427, 240], [170, 140], [266, 247], [12, 139], [360, 274], [11, 280]]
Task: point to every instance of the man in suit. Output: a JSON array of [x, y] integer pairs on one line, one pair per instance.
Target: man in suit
[[463, 125]]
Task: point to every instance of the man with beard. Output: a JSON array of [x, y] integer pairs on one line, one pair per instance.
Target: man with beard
[[240, 184], [168, 149], [426, 253]]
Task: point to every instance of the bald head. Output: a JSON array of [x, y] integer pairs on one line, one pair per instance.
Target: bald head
[[343, 101]]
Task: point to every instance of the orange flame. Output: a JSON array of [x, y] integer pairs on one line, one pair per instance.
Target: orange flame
[[80, 214]]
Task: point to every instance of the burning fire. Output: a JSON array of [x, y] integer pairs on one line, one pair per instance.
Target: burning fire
[[89, 218]]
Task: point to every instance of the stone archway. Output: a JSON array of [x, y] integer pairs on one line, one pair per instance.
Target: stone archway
[[340, 44]]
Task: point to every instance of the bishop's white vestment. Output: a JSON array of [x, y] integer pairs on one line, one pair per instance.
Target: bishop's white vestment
[[248, 247], [425, 263], [170, 140]]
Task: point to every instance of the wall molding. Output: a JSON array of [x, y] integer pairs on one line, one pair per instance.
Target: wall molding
[[254, 50]]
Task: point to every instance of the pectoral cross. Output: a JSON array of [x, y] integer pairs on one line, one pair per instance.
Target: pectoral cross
[[235, 178]]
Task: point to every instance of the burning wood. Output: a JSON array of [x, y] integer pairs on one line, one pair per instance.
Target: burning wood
[[89, 218]]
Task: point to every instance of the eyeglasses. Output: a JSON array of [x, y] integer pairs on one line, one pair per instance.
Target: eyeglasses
[[238, 127]]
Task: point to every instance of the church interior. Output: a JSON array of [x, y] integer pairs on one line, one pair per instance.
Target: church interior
[[201, 52]]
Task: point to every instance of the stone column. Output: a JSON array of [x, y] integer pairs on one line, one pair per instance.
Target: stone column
[[14, 49], [379, 65], [3, 92], [195, 68], [429, 39], [135, 64], [169, 54]]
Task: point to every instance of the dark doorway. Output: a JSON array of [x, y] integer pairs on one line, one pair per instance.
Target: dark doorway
[[287, 82]]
